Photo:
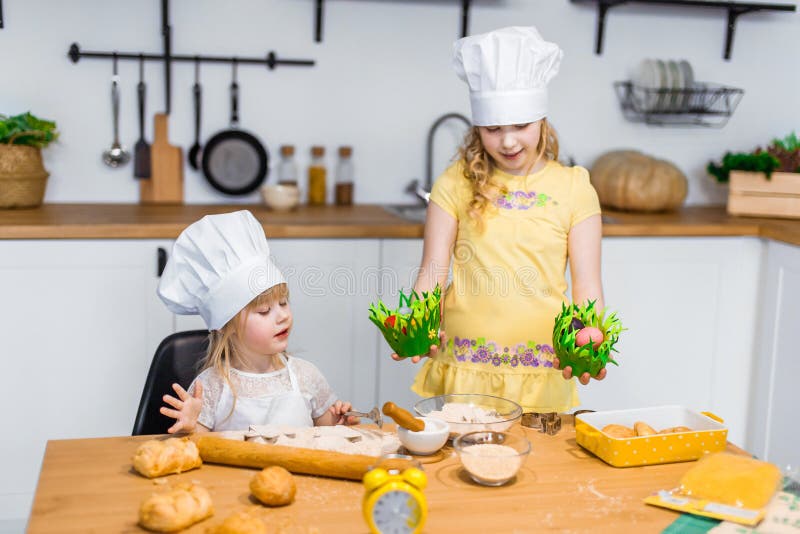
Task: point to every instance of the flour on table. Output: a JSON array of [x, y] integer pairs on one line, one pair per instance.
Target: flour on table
[[339, 438]]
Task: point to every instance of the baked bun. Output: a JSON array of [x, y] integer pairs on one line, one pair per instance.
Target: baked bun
[[619, 431], [156, 458], [643, 429], [273, 486], [176, 509]]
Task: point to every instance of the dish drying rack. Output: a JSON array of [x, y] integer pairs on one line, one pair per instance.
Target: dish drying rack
[[704, 104]]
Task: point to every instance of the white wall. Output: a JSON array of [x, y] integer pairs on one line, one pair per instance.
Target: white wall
[[382, 77]]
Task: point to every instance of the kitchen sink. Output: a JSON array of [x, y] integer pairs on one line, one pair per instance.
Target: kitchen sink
[[409, 212], [416, 212]]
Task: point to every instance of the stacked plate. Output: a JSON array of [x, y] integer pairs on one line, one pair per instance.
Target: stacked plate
[[664, 85]]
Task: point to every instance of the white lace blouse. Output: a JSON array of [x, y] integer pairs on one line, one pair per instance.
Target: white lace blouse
[[311, 382]]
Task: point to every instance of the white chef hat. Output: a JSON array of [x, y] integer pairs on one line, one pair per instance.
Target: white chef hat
[[507, 71], [218, 265]]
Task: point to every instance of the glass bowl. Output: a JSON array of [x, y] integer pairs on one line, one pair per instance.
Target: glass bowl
[[492, 458], [468, 412]]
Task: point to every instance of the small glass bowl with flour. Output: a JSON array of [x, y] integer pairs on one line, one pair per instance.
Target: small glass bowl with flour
[[492, 458]]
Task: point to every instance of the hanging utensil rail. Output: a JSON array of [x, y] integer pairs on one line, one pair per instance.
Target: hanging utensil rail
[[270, 60]]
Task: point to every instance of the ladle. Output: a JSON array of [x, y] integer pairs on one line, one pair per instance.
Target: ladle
[[116, 156]]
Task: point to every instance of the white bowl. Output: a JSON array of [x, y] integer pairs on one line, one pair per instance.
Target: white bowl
[[280, 197], [426, 441]]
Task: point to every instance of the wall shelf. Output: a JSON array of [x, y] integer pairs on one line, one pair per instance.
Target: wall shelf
[[319, 15], [734, 9]]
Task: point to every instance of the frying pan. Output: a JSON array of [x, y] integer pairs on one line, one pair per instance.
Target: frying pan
[[234, 160]]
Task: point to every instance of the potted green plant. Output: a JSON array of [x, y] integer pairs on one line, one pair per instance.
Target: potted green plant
[[22, 173], [765, 182]]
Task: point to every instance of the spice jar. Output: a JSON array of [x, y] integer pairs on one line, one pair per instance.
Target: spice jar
[[344, 177], [316, 177], [287, 168]]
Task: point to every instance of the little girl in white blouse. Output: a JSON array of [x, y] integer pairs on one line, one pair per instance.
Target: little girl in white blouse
[[220, 268]]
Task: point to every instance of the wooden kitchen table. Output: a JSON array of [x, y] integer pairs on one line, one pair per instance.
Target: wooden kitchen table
[[88, 485]]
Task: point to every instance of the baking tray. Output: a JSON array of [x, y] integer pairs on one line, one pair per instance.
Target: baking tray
[[708, 434]]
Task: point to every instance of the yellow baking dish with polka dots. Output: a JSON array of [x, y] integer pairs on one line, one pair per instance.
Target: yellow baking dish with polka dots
[[708, 434]]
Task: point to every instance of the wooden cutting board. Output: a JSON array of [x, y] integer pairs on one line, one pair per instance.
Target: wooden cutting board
[[165, 185]]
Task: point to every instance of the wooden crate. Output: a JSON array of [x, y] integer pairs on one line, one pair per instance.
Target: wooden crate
[[751, 194]]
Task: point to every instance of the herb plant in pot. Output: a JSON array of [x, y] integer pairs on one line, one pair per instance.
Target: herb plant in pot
[[22, 173]]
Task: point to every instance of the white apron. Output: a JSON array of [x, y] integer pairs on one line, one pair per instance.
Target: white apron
[[289, 408]]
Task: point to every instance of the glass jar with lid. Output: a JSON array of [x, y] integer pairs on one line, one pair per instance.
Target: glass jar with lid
[[317, 187], [344, 177], [287, 168]]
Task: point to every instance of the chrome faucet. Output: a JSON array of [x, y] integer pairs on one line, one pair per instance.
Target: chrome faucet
[[423, 191]]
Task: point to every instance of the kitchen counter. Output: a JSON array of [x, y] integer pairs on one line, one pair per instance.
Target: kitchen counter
[[134, 221], [87, 485]]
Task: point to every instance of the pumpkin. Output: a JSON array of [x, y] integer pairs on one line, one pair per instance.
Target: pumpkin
[[632, 181]]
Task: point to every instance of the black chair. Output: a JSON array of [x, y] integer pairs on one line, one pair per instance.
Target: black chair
[[177, 359]]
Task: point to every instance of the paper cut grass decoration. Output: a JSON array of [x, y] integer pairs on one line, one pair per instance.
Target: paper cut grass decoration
[[576, 336], [413, 327]]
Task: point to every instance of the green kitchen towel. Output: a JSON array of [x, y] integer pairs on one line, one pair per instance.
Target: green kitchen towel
[[691, 524]]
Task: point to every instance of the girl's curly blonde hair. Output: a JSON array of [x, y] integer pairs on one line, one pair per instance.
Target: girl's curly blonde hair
[[479, 167]]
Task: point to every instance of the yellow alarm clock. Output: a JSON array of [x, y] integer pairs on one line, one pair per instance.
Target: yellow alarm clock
[[394, 502]]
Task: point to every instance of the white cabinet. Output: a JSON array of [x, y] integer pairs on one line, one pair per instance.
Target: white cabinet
[[689, 305], [331, 283], [80, 322], [774, 416]]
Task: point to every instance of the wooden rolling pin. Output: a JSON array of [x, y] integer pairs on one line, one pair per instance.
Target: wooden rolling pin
[[403, 417], [304, 461]]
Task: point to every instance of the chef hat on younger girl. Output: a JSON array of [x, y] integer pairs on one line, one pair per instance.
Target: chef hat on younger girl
[[507, 71], [218, 265]]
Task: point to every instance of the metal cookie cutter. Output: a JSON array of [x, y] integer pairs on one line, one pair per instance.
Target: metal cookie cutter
[[546, 423], [374, 414], [531, 420], [551, 423]]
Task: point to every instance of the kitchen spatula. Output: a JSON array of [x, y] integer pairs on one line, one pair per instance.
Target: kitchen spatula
[[141, 150]]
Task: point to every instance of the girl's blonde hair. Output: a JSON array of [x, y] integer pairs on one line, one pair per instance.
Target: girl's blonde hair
[[479, 167], [224, 344]]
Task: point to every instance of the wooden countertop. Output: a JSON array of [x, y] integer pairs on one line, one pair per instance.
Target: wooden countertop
[[134, 221], [87, 485]]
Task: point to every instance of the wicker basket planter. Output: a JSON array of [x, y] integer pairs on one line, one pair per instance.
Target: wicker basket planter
[[22, 176]]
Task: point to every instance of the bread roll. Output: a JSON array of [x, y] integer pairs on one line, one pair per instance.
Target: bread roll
[[175, 509], [242, 522], [619, 431], [273, 486], [156, 458], [643, 429], [674, 429]]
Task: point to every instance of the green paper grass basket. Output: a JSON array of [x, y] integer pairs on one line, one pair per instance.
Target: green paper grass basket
[[587, 358], [413, 327]]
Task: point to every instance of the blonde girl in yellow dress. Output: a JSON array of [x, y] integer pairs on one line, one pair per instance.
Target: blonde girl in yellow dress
[[507, 217]]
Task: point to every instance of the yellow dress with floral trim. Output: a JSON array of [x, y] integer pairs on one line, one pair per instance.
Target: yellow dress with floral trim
[[507, 288]]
